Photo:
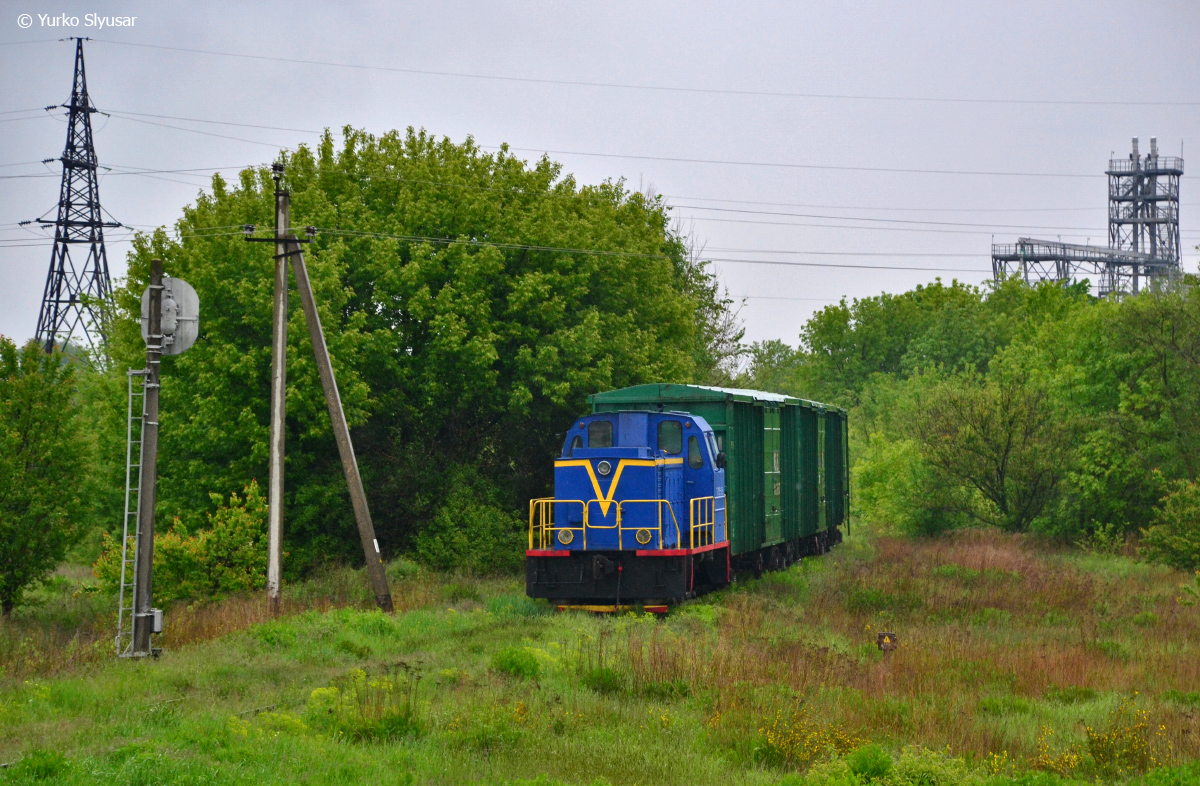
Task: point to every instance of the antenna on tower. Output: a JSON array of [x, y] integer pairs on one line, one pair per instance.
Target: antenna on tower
[[76, 301]]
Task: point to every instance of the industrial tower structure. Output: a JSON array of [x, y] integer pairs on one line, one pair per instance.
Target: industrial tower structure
[[77, 299], [1143, 232]]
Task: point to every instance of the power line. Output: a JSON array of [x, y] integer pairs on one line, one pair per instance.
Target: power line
[[1097, 233], [198, 131], [215, 122], [785, 165], [843, 265], [658, 88], [781, 165], [883, 220], [773, 297]]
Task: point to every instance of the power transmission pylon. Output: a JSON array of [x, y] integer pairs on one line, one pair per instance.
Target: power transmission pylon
[[77, 301]]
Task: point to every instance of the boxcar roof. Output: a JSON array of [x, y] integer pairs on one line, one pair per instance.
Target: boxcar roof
[[668, 392]]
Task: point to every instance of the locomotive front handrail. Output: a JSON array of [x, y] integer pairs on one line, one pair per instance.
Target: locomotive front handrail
[[659, 502], [541, 519], [702, 520]]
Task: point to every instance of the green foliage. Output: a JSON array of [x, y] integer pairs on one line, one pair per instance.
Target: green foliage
[[870, 762], [1174, 538], [516, 662], [1000, 440], [472, 530], [450, 351], [898, 488], [43, 466], [229, 556]]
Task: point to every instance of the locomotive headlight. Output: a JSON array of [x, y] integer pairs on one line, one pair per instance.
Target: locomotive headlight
[[604, 468], [565, 536], [642, 536]]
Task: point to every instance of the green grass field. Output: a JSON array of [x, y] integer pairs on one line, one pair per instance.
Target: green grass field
[[1016, 664]]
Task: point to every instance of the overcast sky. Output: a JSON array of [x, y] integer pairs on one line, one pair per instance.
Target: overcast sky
[[1027, 160]]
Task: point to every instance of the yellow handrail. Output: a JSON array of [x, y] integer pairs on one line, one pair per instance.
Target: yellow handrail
[[702, 520], [541, 520], [702, 529], [659, 503]]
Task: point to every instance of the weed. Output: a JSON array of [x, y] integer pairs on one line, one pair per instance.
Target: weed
[[1147, 619], [361, 708], [797, 739], [667, 689], [603, 680], [1131, 743], [457, 592], [42, 765], [1004, 705], [1191, 699], [516, 662], [1071, 694], [869, 762]]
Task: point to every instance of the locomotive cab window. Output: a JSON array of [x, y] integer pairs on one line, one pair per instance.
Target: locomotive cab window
[[695, 458], [600, 434], [576, 443], [670, 437]]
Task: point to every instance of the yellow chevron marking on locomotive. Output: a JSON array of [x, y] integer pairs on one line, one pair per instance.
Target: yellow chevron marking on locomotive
[[607, 500]]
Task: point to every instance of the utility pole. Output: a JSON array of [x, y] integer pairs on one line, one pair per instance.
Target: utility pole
[[341, 432], [278, 396], [287, 245], [144, 622]]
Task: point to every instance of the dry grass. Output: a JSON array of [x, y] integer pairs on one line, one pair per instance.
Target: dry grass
[[981, 617], [68, 626]]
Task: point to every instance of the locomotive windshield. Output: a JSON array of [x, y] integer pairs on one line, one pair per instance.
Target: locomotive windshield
[[600, 434]]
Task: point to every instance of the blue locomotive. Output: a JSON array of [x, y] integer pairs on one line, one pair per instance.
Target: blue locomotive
[[664, 491]]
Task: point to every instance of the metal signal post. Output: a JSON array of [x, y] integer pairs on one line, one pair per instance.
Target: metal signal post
[[144, 617]]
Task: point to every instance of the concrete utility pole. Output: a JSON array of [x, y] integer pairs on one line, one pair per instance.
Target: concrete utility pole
[[143, 615], [278, 397], [287, 245], [341, 432]]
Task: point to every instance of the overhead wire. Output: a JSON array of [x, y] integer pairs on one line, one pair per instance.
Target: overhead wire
[[660, 88], [788, 165]]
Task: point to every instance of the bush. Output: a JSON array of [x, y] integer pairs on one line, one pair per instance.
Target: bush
[[230, 556], [517, 662], [870, 762], [797, 740], [472, 530], [896, 489], [1174, 538]]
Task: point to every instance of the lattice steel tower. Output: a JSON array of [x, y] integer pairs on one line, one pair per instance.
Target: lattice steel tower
[[1143, 232], [77, 300], [1143, 211]]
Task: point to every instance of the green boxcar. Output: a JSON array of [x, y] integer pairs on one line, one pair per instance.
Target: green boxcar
[[786, 482]]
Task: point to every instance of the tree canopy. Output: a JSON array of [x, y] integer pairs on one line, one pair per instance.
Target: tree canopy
[[471, 302]]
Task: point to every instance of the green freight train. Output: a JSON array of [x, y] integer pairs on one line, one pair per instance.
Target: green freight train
[[666, 491]]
